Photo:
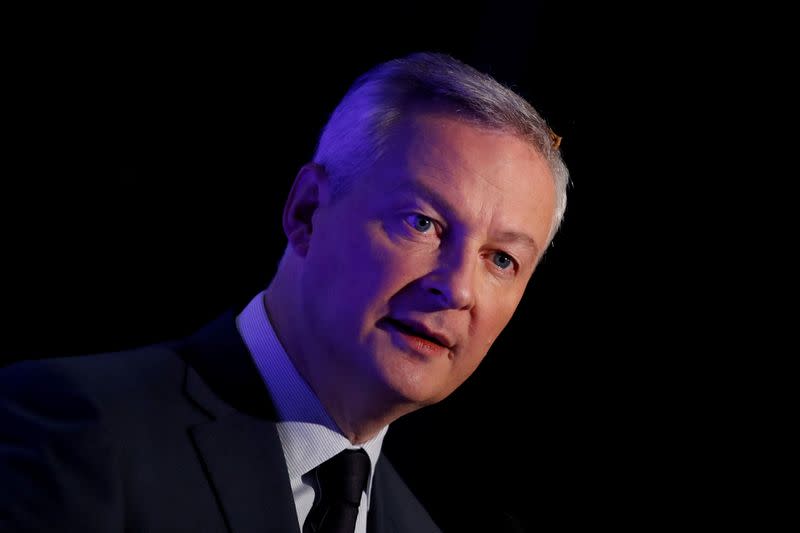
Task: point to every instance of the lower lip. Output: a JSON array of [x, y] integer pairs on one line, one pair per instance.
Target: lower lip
[[417, 344]]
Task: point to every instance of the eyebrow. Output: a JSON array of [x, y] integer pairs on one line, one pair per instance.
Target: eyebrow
[[509, 237], [518, 238], [427, 193]]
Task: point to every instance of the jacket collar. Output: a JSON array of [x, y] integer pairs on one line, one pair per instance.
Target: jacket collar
[[239, 445]]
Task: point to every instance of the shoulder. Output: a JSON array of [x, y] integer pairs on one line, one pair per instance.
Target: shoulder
[[86, 385], [64, 423]]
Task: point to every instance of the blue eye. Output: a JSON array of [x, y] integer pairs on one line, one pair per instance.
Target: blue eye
[[421, 223], [502, 260]]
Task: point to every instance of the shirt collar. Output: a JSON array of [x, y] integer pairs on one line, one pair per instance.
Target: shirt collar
[[308, 434]]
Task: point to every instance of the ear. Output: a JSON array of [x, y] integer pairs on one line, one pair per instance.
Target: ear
[[311, 189]]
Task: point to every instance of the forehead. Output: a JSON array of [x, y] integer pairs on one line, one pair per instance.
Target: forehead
[[482, 176], [440, 146]]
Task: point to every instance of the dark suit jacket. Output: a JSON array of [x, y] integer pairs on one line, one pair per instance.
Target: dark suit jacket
[[176, 437]]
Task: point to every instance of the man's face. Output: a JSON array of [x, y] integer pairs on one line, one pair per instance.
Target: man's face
[[413, 273]]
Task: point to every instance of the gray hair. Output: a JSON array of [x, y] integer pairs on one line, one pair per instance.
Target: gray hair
[[357, 133]]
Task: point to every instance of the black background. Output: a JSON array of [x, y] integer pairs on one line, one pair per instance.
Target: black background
[[149, 154]]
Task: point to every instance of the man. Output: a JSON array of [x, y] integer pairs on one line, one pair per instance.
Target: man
[[432, 196]]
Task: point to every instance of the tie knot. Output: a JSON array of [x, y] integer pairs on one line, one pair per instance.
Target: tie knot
[[342, 479], [344, 476]]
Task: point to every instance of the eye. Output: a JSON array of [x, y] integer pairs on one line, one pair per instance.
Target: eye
[[502, 260], [420, 223]]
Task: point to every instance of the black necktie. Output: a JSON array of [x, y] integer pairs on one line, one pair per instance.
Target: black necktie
[[342, 479]]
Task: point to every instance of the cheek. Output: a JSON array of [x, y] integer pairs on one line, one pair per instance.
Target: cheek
[[358, 271], [340, 255], [393, 264], [492, 317]]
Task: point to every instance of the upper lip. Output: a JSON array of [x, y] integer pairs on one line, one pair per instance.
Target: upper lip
[[440, 336]]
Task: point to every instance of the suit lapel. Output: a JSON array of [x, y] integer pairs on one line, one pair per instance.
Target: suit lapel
[[245, 466], [378, 519], [239, 447], [393, 508]]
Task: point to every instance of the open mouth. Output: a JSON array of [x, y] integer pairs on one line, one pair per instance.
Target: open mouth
[[410, 330]]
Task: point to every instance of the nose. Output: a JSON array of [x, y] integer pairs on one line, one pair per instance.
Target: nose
[[452, 283]]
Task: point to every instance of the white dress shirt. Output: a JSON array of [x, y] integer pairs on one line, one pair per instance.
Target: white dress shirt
[[308, 435]]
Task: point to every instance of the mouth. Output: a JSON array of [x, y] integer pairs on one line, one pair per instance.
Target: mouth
[[416, 331]]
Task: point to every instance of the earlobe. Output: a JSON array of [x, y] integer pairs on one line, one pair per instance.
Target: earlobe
[[309, 191]]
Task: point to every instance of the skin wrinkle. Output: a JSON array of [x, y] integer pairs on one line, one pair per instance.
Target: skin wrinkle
[[386, 269], [430, 168], [449, 211]]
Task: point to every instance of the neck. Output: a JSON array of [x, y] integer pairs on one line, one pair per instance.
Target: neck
[[359, 408]]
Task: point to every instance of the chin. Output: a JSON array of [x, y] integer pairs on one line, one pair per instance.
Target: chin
[[410, 381], [406, 378]]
